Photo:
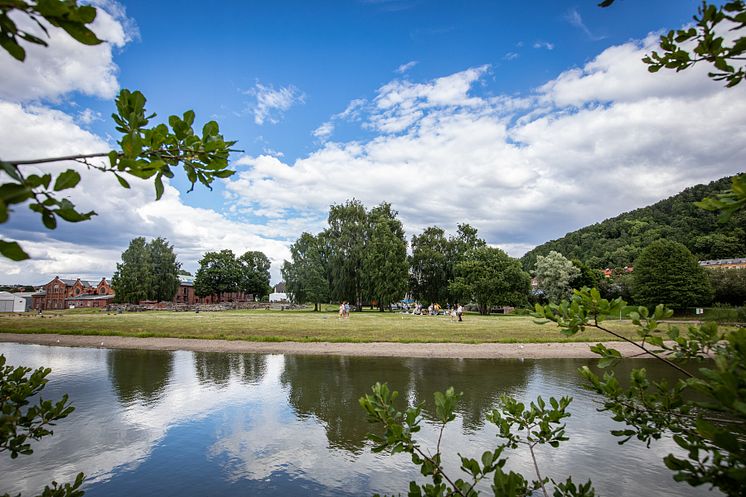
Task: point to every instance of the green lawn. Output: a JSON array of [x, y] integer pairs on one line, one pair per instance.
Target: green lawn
[[263, 325]]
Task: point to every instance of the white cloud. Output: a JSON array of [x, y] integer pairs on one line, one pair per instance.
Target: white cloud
[[66, 65], [576, 20], [544, 44], [593, 142], [510, 56], [406, 67], [271, 104], [324, 131], [87, 116]]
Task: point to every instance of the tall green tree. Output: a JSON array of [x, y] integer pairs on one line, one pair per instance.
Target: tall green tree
[[133, 279], [346, 237], [254, 274], [554, 274], [666, 272], [489, 277], [430, 270], [218, 273], [148, 271], [385, 263], [306, 274], [164, 283]]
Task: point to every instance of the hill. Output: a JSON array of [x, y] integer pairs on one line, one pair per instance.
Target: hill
[[616, 242]]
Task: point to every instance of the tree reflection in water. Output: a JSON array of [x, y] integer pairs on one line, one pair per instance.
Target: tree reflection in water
[[329, 388], [139, 375], [216, 368]]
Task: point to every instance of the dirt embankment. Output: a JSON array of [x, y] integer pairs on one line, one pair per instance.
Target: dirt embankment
[[380, 349]]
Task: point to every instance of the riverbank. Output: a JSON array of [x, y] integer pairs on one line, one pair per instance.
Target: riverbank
[[374, 349]]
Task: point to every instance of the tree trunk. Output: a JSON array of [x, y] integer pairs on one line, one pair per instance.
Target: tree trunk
[[315, 307]]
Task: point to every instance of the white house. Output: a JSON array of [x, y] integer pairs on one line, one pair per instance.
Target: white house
[[278, 297], [12, 303]]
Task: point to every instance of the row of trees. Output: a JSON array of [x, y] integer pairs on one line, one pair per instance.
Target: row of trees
[[223, 272], [150, 271], [665, 272], [362, 257]]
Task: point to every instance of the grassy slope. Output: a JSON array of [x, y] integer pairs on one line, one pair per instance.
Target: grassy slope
[[264, 325]]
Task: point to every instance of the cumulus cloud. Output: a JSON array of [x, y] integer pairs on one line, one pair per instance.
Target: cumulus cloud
[[67, 65], [271, 104], [593, 142]]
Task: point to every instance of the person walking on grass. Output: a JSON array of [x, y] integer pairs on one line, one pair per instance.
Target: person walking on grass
[[459, 311], [347, 310], [341, 310]]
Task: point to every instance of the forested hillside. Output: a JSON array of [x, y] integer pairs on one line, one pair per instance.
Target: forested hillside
[[616, 242]]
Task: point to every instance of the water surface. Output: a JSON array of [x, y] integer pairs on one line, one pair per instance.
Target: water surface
[[195, 423]]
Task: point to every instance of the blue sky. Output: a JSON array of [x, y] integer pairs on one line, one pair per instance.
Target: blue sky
[[525, 119]]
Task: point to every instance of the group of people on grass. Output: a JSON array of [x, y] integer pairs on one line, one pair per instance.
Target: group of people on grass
[[456, 312], [344, 310]]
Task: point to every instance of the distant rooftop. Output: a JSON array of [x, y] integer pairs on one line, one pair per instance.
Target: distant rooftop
[[723, 262]]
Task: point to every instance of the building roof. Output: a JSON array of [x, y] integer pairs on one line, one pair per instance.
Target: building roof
[[90, 296], [24, 294], [722, 262], [8, 295]]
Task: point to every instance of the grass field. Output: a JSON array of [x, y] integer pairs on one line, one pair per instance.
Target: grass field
[[268, 326]]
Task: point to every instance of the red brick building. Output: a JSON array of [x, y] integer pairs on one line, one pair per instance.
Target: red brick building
[[63, 293], [186, 295]]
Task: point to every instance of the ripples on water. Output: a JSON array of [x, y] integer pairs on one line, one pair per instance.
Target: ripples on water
[[194, 423]]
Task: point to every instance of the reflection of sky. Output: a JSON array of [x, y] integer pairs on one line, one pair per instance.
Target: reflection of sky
[[236, 437]]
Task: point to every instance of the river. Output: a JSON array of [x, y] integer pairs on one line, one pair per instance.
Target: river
[[196, 423]]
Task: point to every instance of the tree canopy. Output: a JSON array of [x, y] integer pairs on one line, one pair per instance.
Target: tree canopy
[[148, 271], [218, 273], [489, 277], [666, 272], [305, 274], [555, 275]]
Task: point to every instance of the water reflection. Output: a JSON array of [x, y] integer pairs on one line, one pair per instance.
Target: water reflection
[[216, 369], [139, 375], [242, 424]]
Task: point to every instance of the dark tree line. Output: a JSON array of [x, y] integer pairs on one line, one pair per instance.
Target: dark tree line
[[362, 257]]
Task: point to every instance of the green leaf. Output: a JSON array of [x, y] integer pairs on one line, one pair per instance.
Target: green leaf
[[158, 187], [68, 179], [13, 251], [13, 48]]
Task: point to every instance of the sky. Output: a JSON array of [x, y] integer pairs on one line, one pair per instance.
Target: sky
[[526, 120]]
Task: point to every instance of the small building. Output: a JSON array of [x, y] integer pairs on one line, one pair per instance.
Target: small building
[[9, 302], [28, 296], [186, 295], [724, 264], [278, 297]]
